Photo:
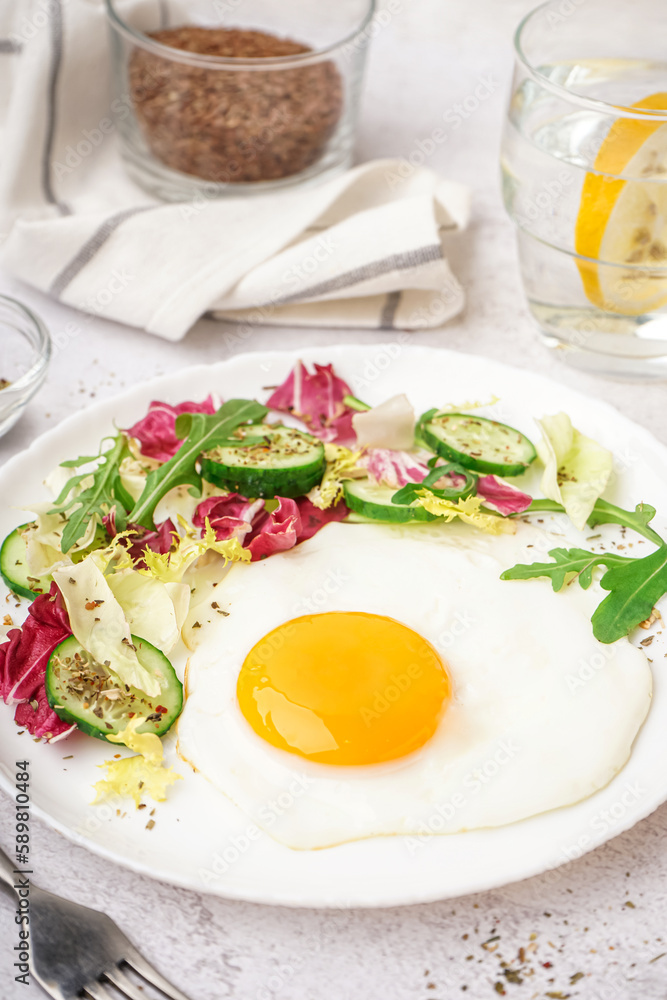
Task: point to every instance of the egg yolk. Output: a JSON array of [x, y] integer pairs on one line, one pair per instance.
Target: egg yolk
[[344, 688]]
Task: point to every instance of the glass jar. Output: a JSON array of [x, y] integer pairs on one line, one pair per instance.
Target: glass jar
[[25, 350], [228, 97]]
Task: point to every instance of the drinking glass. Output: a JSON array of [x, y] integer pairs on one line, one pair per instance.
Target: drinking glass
[[584, 176]]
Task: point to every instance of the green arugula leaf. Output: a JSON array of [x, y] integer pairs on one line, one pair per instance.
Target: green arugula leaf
[[607, 513], [638, 519], [96, 499], [537, 506], [201, 431], [71, 463], [407, 493], [567, 564], [635, 588], [635, 585]]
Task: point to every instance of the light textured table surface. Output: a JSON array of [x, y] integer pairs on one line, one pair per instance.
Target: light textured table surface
[[604, 915]]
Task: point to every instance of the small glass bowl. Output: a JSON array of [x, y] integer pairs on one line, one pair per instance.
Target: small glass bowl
[[25, 351], [197, 125]]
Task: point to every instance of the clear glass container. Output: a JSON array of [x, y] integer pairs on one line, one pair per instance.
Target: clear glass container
[[25, 350], [228, 97], [584, 173]]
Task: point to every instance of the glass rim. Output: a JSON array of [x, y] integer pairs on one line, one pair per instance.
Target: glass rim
[[592, 103], [41, 350], [233, 62]]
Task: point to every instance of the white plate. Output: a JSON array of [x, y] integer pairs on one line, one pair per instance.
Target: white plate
[[199, 839]]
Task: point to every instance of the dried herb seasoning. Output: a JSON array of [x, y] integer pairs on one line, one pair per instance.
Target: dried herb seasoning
[[234, 125]]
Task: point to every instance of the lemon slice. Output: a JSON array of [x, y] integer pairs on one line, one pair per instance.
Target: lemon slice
[[625, 222]]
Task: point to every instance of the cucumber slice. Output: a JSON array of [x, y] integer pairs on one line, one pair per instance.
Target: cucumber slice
[[14, 567], [374, 501], [82, 691], [285, 462], [480, 444]]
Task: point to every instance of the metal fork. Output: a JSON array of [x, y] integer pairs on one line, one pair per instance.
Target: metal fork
[[76, 952]]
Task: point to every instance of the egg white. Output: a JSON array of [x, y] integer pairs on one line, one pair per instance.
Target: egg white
[[523, 734]]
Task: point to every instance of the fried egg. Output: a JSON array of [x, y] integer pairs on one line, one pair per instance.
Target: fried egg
[[383, 680]]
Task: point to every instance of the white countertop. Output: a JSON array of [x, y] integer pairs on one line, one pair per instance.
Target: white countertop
[[431, 55]]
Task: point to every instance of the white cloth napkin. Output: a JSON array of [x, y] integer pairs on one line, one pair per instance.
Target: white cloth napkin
[[363, 249]]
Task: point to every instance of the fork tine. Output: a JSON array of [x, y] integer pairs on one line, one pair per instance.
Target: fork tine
[[123, 982], [137, 962], [98, 991]]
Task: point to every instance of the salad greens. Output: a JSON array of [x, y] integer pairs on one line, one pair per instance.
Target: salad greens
[[201, 431], [171, 567], [99, 623], [87, 495], [634, 585], [123, 576], [567, 564], [469, 509], [144, 774], [576, 468], [341, 464]]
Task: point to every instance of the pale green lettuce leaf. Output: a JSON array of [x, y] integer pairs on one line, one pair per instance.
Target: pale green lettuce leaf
[[203, 577], [180, 594], [133, 475], [99, 623], [152, 609], [576, 468], [180, 505], [43, 539]]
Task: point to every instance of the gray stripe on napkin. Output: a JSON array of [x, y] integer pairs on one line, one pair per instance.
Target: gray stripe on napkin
[[91, 247], [388, 314], [56, 27], [8, 46], [396, 262], [163, 14]]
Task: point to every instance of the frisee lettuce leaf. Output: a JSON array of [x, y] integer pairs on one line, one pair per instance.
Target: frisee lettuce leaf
[[471, 404], [469, 510], [341, 464], [134, 777], [170, 567]]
